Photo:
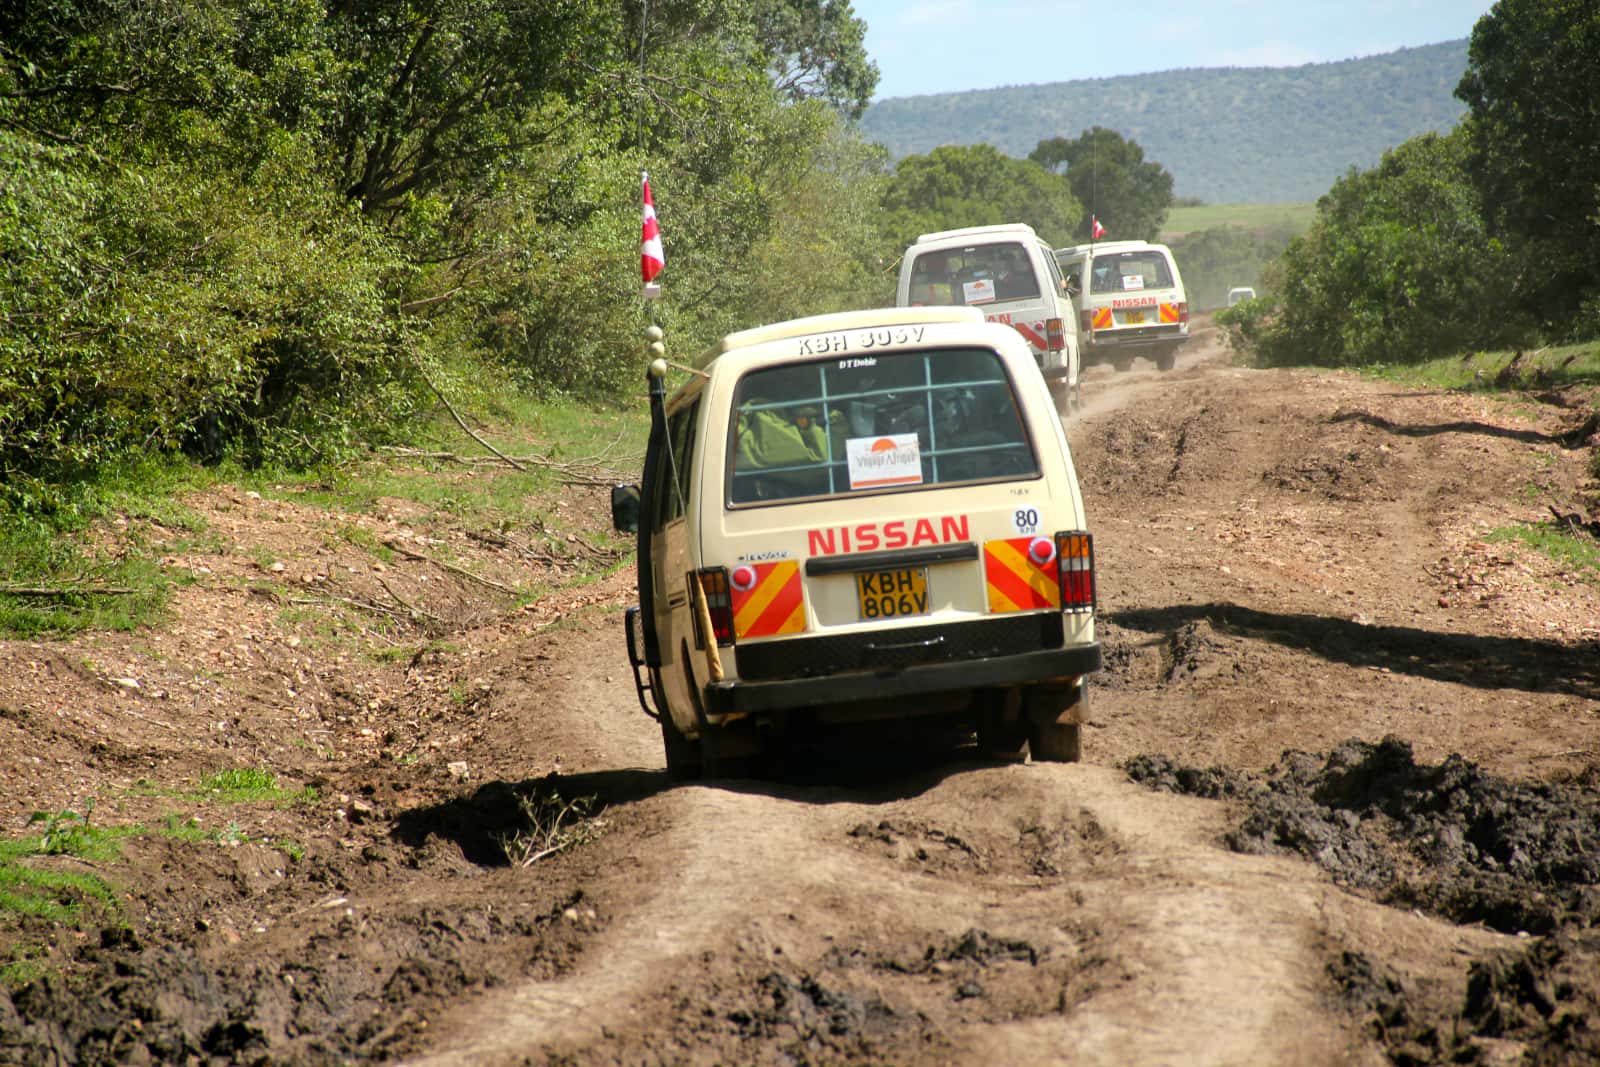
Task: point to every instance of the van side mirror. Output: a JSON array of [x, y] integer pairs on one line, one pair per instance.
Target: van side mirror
[[625, 508]]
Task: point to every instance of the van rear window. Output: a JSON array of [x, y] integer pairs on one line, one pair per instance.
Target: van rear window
[[910, 420], [978, 274], [1128, 272]]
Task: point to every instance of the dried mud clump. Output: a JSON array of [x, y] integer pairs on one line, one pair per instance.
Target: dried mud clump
[[1515, 857], [1166, 775], [1462, 844]]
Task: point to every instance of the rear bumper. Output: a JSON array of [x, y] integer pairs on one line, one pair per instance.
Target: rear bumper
[[1146, 337], [1045, 665]]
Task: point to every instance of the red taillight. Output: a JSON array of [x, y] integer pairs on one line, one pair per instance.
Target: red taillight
[[1075, 551], [1183, 312], [719, 604], [1086, 317], [1055, 335]]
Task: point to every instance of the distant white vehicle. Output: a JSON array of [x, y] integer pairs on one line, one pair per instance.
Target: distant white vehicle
[[1241, 292]]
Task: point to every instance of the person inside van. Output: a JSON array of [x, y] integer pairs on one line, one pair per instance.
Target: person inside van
[[931, 280], [1015, 280]]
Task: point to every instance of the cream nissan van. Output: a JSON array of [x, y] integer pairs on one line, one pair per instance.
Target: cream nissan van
[[1010, 274], [863, 516], [1131, 301]]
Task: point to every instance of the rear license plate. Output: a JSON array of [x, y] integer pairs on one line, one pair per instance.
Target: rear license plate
[[1133, 318], [893, 593]]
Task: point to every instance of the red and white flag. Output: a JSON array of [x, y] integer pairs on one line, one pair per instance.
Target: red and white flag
[[651, 258], [1096, 231]]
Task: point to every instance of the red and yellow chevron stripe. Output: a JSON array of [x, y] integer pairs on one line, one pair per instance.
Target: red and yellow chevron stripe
[[771, 602], [1101, 319], [1169, 313], [1016, 582]]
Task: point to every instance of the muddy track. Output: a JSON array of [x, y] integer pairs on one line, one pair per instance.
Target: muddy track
[[1337, 805]]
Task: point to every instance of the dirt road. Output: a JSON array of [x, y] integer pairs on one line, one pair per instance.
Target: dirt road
[[1338, 803]]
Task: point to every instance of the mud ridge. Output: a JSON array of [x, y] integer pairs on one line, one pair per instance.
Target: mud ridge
[[1458, 843]]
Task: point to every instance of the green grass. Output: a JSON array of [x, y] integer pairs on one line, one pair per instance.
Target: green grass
[[1263, 218], [59, 583], [242, 785], [1579, 555], [30, 888], [1554, 366]]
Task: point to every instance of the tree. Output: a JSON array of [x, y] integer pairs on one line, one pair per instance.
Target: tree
[[1397, 267], [974, 185], [1110, 176], [1534, 132], [817, 48]]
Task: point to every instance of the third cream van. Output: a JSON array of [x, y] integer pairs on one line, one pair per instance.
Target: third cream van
[[1131, 301]]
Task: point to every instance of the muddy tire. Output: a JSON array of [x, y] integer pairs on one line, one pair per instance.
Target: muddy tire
[[1166, 360], [1001, 736], [1124, 364], [684, 762], [1055, 732], [1060, 742], [1061, 393]]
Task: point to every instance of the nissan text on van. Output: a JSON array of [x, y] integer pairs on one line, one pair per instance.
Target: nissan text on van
[[1009, 273], [867, 516], [1131, 301]]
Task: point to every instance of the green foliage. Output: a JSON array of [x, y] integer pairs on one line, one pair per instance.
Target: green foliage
[[1578, 553], [237, 785], [1228, 135], [277, 231], [1530, 86], [817, 48], [1216, 260], [55, 896], [1112, 179], [1397, 268], [974, 185]]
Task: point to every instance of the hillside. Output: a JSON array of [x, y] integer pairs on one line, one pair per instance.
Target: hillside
[[1228, 135]]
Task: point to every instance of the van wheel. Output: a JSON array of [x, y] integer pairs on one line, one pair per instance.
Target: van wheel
[[683, 755], [1052, 740], [1166, 360], [999, 737], [1061, 393], [1124, 364]]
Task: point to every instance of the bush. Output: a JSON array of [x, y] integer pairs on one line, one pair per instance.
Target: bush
[[1397, 268], [151, 307]]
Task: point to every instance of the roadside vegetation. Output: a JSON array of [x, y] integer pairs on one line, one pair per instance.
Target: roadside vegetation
[[226, 255], [1482, 238], [62, 872]]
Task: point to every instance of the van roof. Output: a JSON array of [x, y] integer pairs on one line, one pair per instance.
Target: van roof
[[841, 320], [1109, 246], [1005, 229]]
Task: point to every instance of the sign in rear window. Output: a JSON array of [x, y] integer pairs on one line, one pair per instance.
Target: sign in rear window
[[902, 421]]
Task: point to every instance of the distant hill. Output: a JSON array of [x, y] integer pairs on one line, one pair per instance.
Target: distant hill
[[1227, 135]]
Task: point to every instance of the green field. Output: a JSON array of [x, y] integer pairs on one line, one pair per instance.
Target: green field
[[1262, 218]]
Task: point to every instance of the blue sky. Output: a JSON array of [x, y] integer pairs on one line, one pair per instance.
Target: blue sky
[[944, 46]]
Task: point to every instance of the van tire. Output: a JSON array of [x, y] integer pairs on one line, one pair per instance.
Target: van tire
[[684, 763], [1055, 731], [1002, 736], [1124, 364], [1061, 393], [1166, 360]]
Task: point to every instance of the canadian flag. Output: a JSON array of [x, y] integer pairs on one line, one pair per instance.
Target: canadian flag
[[651, 258], [1096, 231]]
